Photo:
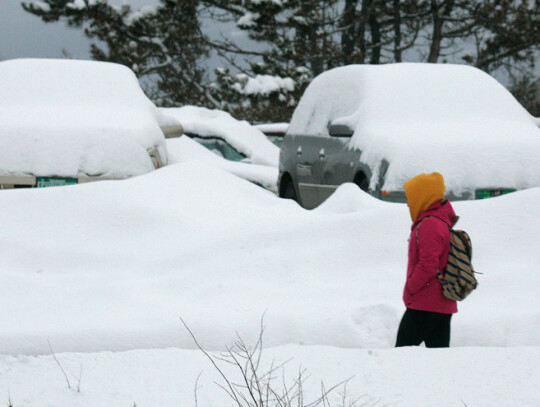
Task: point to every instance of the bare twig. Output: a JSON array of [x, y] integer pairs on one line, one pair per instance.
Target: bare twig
[[257, 389], [229, 385], [197, 388], [59, 365]]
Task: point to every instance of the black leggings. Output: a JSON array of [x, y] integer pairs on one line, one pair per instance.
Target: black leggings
[[416, 327]]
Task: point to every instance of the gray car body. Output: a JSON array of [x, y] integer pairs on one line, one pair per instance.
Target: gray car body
[[315, 166]]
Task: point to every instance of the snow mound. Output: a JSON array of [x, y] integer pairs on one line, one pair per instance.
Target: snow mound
[[239, 134], [453, 119], [69, 118], [113, 265], [184, 149], [349, 198]]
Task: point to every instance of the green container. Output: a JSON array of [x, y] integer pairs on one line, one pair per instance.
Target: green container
[[44, 182]]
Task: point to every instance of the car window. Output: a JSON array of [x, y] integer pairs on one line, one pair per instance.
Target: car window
[[219, 147], [276, 139]]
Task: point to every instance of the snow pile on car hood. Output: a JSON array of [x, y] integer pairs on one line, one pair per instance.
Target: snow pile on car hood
[[185, 149], [454, 119], [69, 118], [272, 127], [240, 134]]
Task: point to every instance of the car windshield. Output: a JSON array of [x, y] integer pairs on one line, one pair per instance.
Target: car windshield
[[219, 147]]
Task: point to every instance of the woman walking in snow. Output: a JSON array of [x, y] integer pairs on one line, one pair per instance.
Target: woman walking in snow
[[428, 314]]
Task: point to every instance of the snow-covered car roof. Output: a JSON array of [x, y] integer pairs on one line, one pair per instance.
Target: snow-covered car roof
[[69, 118], [454, 119], [238, 133], [272, 128]]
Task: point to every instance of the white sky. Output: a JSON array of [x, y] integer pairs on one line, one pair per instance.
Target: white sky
[[23, 35]]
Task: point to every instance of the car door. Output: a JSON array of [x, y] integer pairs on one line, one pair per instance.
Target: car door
[[335, 165], [307, 154]]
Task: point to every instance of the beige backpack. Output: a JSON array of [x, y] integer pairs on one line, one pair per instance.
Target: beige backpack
[[458, 280]]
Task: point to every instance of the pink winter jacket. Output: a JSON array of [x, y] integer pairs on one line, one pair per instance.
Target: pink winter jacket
[[428, 252]]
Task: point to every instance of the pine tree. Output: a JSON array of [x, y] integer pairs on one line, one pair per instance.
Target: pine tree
[[299, 43], [298, 39], [163, 44]]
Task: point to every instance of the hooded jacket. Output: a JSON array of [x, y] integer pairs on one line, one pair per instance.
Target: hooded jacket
[[429, 243]]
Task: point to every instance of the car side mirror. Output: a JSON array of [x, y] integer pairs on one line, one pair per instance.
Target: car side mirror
[[172, 131], [340, 130]]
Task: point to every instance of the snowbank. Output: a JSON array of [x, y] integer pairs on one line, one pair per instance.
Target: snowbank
[[239, 134], [454, 119], [111, 266], [480, 377], [68, 118]]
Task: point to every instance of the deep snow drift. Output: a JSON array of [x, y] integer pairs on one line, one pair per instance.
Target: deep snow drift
[[111, 266]]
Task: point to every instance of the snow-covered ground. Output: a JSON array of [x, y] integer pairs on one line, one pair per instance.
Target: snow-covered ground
[[103, 272], [481, 377]]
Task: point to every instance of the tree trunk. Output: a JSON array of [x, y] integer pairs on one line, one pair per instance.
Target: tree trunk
[[361, 36], [348, 36], [438, 23], [397, 31], [375, 29], [436, 38]]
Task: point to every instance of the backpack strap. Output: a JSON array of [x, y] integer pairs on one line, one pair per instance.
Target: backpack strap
[[430, 216]]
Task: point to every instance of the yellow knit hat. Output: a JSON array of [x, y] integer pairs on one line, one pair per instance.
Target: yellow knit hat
[[423, 191]]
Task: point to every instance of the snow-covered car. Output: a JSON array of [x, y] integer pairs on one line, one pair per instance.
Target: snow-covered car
[[379, 125], [186, 149], [233, 139], [66, 122], [216, 138]]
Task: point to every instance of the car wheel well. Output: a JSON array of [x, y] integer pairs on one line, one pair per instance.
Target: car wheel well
[[286, 187], [362, 181]]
